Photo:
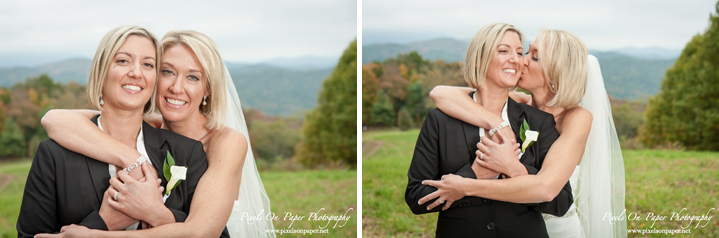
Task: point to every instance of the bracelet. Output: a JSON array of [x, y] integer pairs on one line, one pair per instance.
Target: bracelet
[[137, 163], [501, 125]]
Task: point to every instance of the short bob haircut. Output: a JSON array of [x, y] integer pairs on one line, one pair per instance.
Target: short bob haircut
[[482, 49], [206, 52], [106, 51], [564, 62]]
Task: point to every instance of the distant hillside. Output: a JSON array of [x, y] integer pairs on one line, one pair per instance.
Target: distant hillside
[[271, 89], [448, 49], [631, 74]]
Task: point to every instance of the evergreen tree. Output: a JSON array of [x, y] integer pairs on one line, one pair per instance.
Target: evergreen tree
[[382, 110], [404, 119], [415, 101], [330, 130], [686, 109], [12, 141]]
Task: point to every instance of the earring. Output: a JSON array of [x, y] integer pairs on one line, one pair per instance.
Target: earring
[[204, 103], [101, 101]]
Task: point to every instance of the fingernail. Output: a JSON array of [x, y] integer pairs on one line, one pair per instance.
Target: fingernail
[[419, 203], [427, 208]]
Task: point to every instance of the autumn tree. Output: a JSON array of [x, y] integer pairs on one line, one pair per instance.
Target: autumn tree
[[685, 111], [330, 130]]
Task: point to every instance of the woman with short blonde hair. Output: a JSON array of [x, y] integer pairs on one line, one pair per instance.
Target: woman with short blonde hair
[[481, 50], [564, 66], [106, 50]]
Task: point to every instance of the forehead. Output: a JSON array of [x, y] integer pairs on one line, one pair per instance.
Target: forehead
[[138, 44], [181, 55], [511, 39]]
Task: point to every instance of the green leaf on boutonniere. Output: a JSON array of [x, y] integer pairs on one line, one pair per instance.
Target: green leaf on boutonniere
[[522, 129], [528, 136], [169, 162]]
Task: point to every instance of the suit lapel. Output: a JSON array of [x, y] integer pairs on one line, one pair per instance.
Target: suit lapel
[[153, 144], [516, 115], [99, 173]]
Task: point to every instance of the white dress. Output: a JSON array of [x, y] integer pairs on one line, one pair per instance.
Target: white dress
[[569, 224]]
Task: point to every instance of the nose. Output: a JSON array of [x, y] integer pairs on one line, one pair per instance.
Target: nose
[[176, 87], [135, 71]]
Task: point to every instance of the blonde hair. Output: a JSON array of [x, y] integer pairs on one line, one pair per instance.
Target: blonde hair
[[481, 50], [110, 43], [206, 51], [564, 64]]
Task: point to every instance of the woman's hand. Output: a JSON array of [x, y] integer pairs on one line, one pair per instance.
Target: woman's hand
[[140, 199], [70, 231], [449, 189], [502, 158]]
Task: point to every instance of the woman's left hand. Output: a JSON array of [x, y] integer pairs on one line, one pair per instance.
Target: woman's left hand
[[138, 199], [500, 157], [449, 189], [70, 231]]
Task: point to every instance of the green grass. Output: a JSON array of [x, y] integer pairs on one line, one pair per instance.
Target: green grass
[[295, 192], [660, 182]]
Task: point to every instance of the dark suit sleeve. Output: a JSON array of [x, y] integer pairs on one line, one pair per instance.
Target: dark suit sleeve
[[94, 221], [547, 136], [424, 165], [38, 209]]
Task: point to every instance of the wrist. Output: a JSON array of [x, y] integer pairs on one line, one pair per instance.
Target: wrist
[[128, 159], [161, 216], [517, 170]]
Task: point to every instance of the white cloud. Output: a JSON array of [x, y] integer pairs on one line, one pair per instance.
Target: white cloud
[[607, 24], [245, 31]]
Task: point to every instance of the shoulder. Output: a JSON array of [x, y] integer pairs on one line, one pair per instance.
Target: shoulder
[[228, 138], [227, 143], [578, 116]]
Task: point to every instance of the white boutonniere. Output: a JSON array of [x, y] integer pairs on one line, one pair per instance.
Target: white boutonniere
[[528, 136], [173, 174]]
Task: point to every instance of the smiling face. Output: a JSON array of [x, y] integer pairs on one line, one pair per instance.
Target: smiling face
[[533, 74], [182, 83], [131, 77], [505, 67]]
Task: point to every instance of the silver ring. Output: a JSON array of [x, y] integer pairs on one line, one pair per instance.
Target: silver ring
[[481, 156], [440, 201], [114, 197]]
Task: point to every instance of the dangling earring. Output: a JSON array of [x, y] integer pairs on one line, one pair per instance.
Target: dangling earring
[[101, 101], [204, 103]]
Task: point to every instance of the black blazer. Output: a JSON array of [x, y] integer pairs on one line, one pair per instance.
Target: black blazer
[[64, 187], [447, 145]]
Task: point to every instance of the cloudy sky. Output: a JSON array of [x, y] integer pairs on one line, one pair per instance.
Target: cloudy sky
[[245, 31], [603, 25]]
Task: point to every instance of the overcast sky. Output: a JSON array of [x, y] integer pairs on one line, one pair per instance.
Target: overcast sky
[[245, 31], [603, 25]]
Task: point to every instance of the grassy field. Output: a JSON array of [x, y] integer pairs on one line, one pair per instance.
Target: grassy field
[[660, 182], [295, 192]]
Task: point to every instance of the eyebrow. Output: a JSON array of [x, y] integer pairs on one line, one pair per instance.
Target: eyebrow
[[191, 70], [128, 54], [520, 48]]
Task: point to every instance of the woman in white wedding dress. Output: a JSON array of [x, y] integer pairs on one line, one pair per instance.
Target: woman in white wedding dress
[[587, 152], [197, 99]]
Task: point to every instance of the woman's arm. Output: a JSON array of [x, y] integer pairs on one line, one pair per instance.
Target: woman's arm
[[454, 102], [521, 97], [73, 130], [558, 166]]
